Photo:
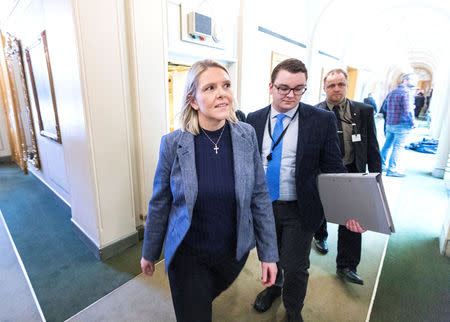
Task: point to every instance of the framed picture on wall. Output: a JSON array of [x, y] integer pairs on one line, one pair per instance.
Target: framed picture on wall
[[38, 61], [275, 59]]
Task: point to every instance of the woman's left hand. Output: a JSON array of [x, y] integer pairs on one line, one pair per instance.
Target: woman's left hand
[[268, 273]]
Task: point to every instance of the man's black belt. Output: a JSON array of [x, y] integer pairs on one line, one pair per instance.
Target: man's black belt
[[284, 202]]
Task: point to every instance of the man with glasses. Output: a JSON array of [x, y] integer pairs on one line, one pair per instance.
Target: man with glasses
[[297, 142], [359, 147]]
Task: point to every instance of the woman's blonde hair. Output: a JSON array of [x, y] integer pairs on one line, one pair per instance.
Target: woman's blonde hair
[[189, 115]]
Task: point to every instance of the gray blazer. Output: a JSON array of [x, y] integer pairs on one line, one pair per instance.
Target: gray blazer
[[175, 193]]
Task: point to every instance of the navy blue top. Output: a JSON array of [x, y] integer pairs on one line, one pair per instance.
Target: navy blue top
[[213, 226]]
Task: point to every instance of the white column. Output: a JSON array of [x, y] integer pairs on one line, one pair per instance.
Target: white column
[[444, 239], [149, 77], [104, 72], [444, 137]]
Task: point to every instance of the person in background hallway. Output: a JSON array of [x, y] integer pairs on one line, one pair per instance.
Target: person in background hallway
[[428, 100], [419, 102], [297, 142], [426, 111], [359, 147], [399, 122], [383, 112], [210, 199], [370, 101]]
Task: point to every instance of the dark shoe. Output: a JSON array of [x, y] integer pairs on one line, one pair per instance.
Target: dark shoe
[[264, 299], [349, 275], [395, 174], [321, 245]]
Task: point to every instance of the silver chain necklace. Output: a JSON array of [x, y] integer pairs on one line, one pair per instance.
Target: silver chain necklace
[[216, 148]]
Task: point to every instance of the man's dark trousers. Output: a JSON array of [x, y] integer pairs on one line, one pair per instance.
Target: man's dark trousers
[[349, 243], [294, 246]]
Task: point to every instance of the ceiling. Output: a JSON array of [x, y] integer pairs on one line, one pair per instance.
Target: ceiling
[[6, 7], [386, 32], [369, 34]]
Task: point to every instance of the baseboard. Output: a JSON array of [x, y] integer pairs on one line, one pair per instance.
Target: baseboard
[[6, 159], [103, 253], [41, 179]]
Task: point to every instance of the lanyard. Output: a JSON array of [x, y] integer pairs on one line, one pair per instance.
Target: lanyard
[[269, 156], [350, 122]]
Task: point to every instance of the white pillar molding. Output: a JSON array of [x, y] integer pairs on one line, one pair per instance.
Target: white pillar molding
[[443, 162], [246, 32], [442, 151], [444, 135], [444, 238], [149, 75], [104, 74]]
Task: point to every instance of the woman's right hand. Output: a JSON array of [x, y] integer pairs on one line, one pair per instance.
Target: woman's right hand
[[148, 268]]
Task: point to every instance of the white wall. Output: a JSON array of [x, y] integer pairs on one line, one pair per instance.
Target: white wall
[[320, 64], [255, 47], [4, 141], [148, 74], [26, 23], [90, 70], [224, 13], [104, 72], [75, 134]]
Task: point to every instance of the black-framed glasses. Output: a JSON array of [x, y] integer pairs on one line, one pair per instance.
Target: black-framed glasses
[[285, 90]]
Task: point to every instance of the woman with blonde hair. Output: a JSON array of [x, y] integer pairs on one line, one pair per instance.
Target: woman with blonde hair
[[210, 200]]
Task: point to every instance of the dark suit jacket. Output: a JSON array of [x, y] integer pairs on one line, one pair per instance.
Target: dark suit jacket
[[175, 193], [317, 151], [419, 101], [366, 151]]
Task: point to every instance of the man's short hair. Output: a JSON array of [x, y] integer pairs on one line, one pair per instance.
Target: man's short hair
[[406, 77], [336, 71], [292, 65]]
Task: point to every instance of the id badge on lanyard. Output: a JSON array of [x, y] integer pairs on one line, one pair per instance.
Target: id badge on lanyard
[[356, 137]]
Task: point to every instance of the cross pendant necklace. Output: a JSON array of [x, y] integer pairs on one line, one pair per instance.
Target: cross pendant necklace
[[216, 148]]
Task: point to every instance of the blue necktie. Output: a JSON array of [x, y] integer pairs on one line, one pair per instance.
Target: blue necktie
[[273, 166]]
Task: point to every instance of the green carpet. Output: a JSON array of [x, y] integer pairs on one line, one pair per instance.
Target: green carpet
[[65, 275], [415, 280]]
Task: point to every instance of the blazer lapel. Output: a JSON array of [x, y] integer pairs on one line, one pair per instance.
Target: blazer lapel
[[241, 158], [355, 114], [186, 158]]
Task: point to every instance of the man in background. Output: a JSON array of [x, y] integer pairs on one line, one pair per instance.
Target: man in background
[[419, 102], [370, 101], [399, 122], [359, 148]]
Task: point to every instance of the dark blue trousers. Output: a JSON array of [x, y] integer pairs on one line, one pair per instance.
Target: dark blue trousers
[[294, 246], [197, 278]]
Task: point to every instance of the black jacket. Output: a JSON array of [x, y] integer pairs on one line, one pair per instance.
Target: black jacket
[[367, 151]]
